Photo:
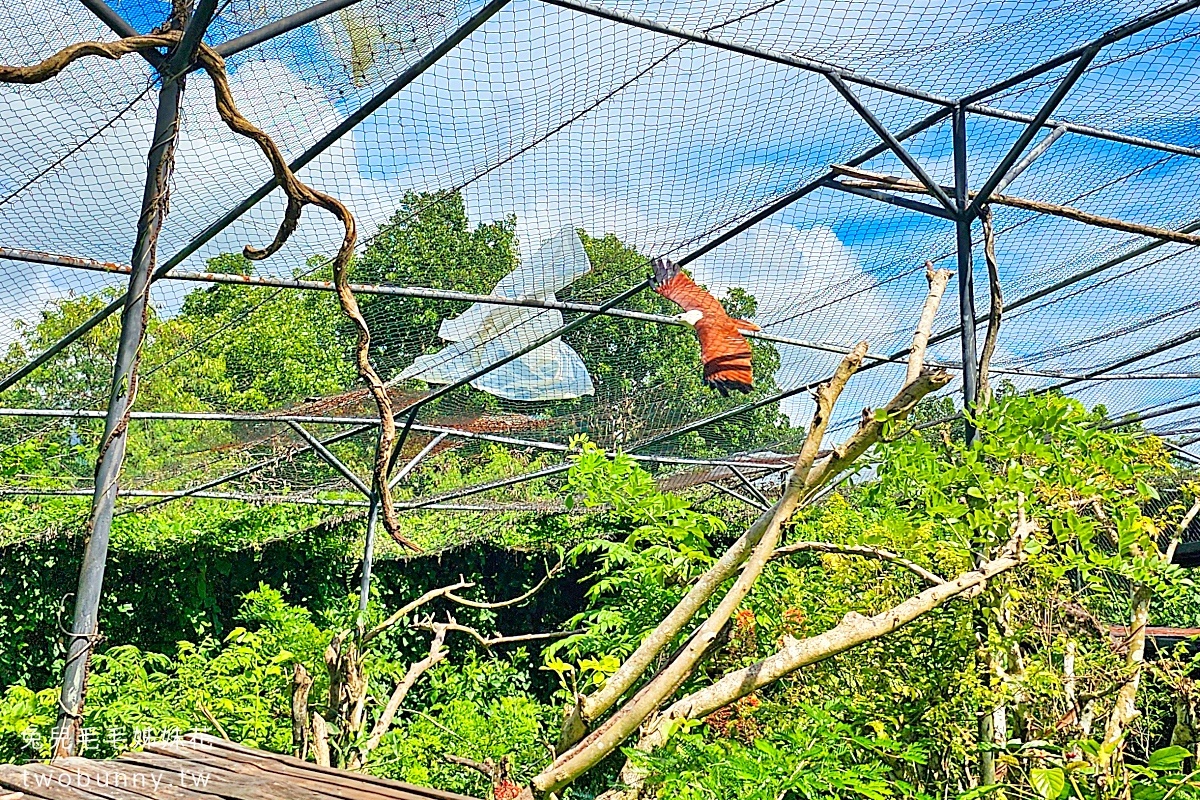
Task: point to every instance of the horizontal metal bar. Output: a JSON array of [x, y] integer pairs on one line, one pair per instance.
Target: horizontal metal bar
[[281, 26], [363, 423], [281, 499], [76, 262], [1132, 419], [1086, 130], [808, 64], [546, 472], [891, 199], [946, 103]]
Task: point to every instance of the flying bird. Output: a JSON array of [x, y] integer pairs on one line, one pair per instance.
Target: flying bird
[[724, 351]]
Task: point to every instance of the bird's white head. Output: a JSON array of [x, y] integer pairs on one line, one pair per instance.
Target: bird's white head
[[691, 317]]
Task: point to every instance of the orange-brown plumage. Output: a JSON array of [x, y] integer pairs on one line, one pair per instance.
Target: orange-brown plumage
[[724, 352]]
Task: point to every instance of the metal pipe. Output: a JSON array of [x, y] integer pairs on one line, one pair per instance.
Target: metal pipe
[[112, 449], [117, 24], [368, 562], [365, 423], [327, 455], [807, 64], [1033, 155], [261, 465], [202, 238], [281, 26], [966, 276], [1170, 344], [892, 142], [891, 199], [193, 34], [283, 499], [1085, 130], [970, 102], [1108, 37], [1132, 419], [1031, 130], [412, 462], [545, 472]]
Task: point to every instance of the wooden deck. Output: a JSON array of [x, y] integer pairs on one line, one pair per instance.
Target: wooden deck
[[200, 767]]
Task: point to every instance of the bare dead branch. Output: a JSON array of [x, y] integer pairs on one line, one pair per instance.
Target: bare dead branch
[[412, 606], [301, 687], [864, 551], [853, 630], [996, 305], [550, 573], [488, 642], [609, 735], [320, 740], [1169, 556], [437, 653], [937, 279]]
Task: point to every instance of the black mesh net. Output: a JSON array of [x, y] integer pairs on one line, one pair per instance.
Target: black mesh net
[[557, 131]]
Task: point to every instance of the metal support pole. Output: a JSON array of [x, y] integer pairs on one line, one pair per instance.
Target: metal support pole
[[364, 588], [112, 451], [1033, 155], [966, 278]]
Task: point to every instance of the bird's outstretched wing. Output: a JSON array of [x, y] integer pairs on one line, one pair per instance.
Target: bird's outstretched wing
[[724, 352]]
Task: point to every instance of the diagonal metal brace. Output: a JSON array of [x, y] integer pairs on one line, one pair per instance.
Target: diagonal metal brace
[[893, 143], [327, 455], [1031, 130]]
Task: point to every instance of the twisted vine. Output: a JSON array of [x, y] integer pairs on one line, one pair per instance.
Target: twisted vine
[[298, 195]]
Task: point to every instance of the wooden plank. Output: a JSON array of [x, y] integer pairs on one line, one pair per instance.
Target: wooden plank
[[200, 758], [81, 776], [134, 780], [219, 781], [344, 788], [394, 789], [20, 779]]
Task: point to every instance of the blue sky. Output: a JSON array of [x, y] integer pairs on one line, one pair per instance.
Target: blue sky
[[563, 119]]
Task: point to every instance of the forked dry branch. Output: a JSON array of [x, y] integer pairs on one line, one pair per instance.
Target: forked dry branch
[[587, 737]]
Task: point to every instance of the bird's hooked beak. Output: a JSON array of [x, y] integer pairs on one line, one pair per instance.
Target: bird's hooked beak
[[691, 317]]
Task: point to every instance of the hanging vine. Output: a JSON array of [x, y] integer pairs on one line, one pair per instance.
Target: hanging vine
[[298, 195]]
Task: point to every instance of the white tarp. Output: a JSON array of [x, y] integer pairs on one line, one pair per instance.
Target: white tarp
[[486, 333]]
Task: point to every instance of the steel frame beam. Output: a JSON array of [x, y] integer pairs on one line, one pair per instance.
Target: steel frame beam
[[892, 142], [281, 26], [890, 199], [329, 458], [970, 102], [159, 164], [118, 25], [1031, 130], [966, 268]]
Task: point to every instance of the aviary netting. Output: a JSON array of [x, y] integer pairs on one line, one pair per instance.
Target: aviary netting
[[809, 163]]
